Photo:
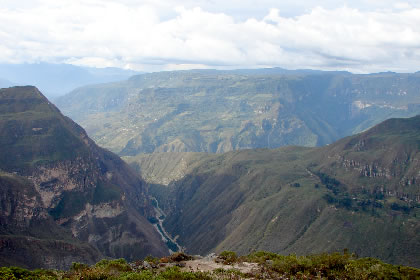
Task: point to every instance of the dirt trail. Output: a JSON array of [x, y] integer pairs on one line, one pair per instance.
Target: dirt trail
[[208, 264]]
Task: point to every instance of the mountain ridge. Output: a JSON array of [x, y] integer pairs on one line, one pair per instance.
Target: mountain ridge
[[83, 189], [361, 193]]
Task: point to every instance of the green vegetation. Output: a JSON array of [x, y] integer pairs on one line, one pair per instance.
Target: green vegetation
[[328, 266], [228, 257], [163, 168], [221, 273], [269, 266], [361, 193], [368, 202], [34, 131]]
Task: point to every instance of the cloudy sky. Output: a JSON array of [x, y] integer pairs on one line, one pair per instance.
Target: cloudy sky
[[360, 36]]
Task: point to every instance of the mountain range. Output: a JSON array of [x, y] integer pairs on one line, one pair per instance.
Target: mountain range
[[212, 159], [220, 111]]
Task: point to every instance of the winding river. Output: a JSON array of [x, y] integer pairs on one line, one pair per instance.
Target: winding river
[[173, 246]]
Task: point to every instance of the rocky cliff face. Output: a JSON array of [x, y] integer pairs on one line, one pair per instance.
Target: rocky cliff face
[[29, 236], [87, 191], [385, 157]]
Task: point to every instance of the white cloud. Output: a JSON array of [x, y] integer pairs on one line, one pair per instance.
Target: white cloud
[[155, 36]]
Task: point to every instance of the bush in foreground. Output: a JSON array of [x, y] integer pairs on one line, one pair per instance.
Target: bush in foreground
[[268, 266]]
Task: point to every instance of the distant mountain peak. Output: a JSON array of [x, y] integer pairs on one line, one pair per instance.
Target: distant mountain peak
[[57, 79]]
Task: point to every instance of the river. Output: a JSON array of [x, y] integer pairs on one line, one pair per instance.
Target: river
[[172, 244]]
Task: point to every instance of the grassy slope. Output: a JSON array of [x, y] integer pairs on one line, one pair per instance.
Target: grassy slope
[[34, 131], [384, 157], [163, 168], [249, 200]]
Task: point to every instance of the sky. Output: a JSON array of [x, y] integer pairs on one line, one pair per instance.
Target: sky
[[360, 36]]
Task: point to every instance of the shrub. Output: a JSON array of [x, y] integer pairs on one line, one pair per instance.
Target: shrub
[[44, 274], [143, 275], [113, 266], [151, 259], [228, 257], [78, 266], [179, 257], [7, 274], [260, 257], [16, 273], [174, 273], [229, 274], [292, 264], [400, 207]]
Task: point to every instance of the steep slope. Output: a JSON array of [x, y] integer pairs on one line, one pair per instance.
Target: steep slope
[[164, 168], [360, 193], [29, 237], [88, 191], [219, 111], [386, 155]]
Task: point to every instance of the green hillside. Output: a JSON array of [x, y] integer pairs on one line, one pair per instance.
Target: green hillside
[[360, 193], [164, 168], [34, 132], [220, 111]]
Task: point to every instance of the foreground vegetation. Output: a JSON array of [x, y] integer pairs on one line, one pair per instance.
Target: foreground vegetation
[[269, 266]]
